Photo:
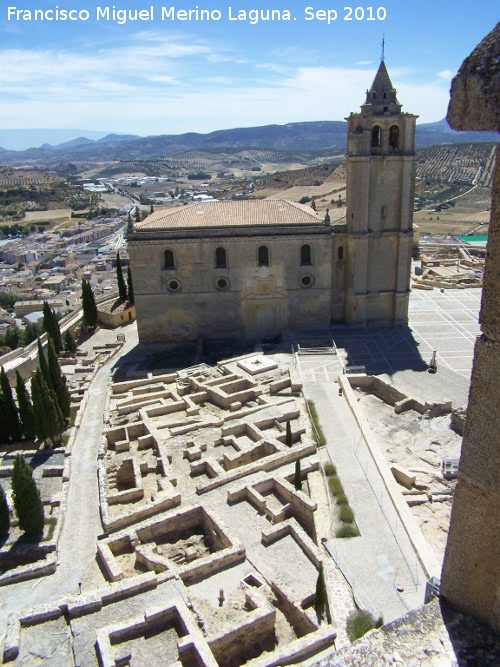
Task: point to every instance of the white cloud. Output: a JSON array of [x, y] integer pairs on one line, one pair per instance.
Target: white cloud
[[446, 74], [155, 85]]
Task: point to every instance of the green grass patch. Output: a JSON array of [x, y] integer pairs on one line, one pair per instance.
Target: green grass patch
[[335, 485], [330, 469], [360, 622], [318, 434], [347, 530], [346, 515]]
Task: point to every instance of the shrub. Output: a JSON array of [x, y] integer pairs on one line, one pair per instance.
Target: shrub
[[360, 622], [335, 485], [347, 530], [330, 469], [318, 434], [346, 515], [341, 499]]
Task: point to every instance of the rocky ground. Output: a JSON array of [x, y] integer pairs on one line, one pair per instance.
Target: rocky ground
[[418, 444]]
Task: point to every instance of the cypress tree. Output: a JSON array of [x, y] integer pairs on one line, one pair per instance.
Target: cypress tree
[[320, 597], [297, 479], [42, 363], [26, 412], [288, 439], [51, 326], [130, 287], [88, 304], [137, 214], [4, 436], [10, 408], [122, 289], [58, 381], [4, 514], [38, 406], [26, 497], [151, 209], [49, 420], [69, 342]]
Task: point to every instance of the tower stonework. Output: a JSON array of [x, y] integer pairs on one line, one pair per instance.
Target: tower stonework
[[380, 192]]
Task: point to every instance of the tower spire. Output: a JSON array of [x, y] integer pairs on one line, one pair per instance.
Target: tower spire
[[382, 55]]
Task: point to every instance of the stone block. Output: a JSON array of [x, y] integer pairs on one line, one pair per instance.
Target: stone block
[[403, 476], [12, 639]]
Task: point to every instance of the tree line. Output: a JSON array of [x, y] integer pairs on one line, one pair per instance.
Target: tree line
[[42, 413]]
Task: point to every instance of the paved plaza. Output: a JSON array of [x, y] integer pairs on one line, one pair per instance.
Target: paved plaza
[[445, 322]]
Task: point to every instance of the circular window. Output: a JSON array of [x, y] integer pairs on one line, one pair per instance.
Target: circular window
[[222, 284], [306, 281], [174, 285]]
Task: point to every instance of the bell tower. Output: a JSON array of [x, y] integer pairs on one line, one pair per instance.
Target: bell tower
[[380, 192]]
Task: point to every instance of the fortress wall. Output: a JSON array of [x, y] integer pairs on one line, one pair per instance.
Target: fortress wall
[[471, 570]]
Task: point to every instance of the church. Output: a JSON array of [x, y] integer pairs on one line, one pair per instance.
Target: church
[[250, 269]]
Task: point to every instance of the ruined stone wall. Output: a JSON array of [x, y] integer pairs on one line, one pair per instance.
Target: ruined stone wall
[[471, 571]]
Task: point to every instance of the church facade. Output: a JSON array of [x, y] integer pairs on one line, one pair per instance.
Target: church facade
[[249, 269]]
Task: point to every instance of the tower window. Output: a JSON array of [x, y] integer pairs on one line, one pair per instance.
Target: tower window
[[383, 212], [305, 255], [340, 252], [384, 95], [374, 95], [394, 137], [263, 255], [376, 136], [169, 259], [220, 258]]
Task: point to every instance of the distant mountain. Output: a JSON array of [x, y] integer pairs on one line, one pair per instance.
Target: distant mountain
[[20, 140], [319, 135], [430, 134], [117, 137]]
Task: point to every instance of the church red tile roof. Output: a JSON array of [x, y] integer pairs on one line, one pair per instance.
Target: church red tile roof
[[234, 214]]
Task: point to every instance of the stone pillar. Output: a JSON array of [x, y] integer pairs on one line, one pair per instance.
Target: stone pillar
[[471, 569]]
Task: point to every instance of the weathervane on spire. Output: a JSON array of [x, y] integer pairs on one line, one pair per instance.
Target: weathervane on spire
[[382, 57]]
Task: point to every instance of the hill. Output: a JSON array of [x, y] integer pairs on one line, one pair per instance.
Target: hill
[[297, 137]]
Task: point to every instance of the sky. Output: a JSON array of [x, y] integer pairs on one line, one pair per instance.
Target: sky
[[161, 75]]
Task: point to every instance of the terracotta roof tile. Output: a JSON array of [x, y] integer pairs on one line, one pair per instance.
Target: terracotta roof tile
[[233, 214]]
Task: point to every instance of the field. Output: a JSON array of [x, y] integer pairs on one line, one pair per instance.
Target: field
[[452, 221]]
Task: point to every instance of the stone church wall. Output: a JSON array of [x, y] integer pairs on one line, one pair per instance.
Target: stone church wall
[[257, 301]]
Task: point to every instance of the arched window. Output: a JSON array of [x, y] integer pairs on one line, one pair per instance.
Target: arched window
[[263, 257], [220, 258], [376, 136], [169, 259], [305, 255], [340, 252], [394, 137]]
